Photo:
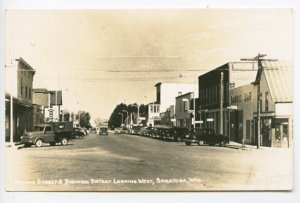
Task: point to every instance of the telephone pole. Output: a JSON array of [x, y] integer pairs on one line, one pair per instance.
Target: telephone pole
[[258, 59], [221, 102]]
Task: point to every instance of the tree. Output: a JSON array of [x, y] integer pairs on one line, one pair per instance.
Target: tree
[[84, 119], [115, 119]]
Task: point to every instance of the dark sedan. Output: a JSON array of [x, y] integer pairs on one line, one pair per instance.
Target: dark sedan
[[208, 136]]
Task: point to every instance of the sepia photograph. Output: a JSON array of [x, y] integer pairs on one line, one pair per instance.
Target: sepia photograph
[[149, 100]]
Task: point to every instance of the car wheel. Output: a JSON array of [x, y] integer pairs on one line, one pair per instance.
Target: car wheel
[[64, 141], [187, 143], [39, 143], [200, 143]]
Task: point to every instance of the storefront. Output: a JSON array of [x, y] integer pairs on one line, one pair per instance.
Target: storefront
[[22, 118], [276, 129]]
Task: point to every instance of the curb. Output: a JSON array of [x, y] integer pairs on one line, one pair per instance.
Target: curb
[[238, 147], [15, 146]]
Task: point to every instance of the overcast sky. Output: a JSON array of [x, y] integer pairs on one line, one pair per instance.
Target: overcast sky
[[100, 58]]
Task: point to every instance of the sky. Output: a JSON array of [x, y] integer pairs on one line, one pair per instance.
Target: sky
[[100, 58]]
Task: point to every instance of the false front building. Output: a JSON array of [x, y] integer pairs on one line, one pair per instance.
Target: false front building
[[275, 83], [213, 104], [18, 88], [165, 102]]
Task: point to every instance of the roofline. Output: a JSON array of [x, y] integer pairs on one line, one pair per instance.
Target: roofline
[[153, 103], [157, 84], [23, 61], [184, 94], [218, 68], [160, 83], [40, 90]]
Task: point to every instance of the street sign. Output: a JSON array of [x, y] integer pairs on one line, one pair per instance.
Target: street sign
[[50, 114], [209, 119], [198, 121]]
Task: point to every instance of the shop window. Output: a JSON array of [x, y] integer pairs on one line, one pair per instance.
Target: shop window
[[248, 129], [21, 86], [26, 91], [260, 101], [185, 106], [29, 93], [266, 101], [285, 132]]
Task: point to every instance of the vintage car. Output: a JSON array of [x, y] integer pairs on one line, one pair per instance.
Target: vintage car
[[78, 133], [177, 134], [117, 131], [160, 132], [52, 133], [103, 130], [208, 136]]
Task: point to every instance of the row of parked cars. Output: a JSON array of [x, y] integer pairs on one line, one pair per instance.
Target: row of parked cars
[[199, 136], [79, 132]]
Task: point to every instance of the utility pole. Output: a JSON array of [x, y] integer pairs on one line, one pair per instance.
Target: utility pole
[[194, 110], [221, 102], [258, 59]]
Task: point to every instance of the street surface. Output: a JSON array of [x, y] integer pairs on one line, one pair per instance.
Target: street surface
[[134, 163]]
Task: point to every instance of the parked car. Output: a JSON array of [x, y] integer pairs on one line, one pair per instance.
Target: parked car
[[78, 133], [103, 130], [145, 131], [86, 132], [203, 136], [52, 133], [118, 131], [177, 134]]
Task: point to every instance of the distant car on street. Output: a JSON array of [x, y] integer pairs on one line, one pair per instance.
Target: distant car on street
[[118, 131], [103, 130], [203, 136]]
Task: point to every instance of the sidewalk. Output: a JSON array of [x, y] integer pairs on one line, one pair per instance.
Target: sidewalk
[[239, 146], [14, 145]]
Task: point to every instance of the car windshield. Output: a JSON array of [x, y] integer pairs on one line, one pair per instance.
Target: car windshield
[[38, 128]]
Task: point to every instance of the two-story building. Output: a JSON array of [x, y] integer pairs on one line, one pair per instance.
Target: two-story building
[[276, 107], [167, 92], [165, 102], [153, 117], [276, 103], [214, 98], [184, 110], [18, 87]]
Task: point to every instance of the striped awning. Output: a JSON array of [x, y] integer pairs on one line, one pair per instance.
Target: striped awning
[[279, 76]]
